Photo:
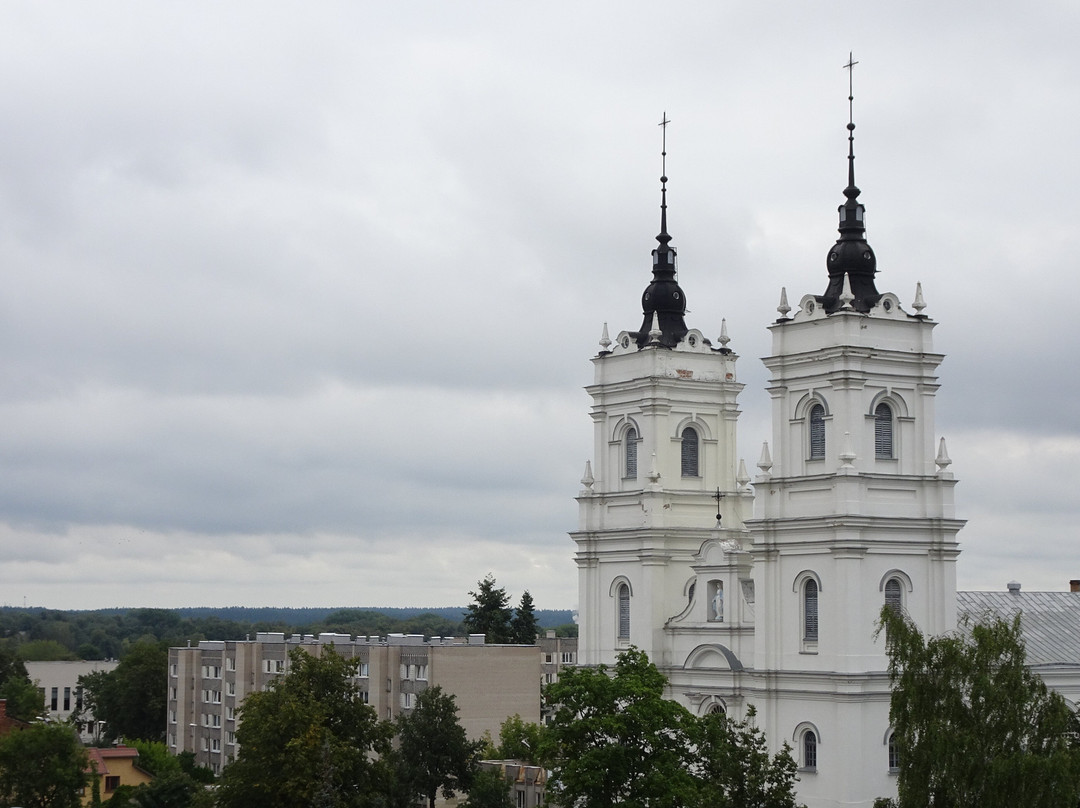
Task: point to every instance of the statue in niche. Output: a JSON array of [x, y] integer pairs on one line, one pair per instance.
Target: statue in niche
[[718, 601]]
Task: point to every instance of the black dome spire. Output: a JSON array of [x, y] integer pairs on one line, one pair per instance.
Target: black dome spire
[[851, 256], [663, 297]]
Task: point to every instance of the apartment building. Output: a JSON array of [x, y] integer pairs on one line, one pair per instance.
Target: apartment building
[[208, 682]]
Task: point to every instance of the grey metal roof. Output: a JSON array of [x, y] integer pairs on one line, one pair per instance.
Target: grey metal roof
[[1050, 621]]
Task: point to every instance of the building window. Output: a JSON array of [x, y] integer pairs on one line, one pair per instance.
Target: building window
[[365, 669], [623, 615], [172, 669], [230, 663], [407, 701], [520, 799], [894, 753], [211, 671], [230, 688], [568, 657], [810, 610], [883, 432], [112, 782], [690, 452], [421, 673], [817, 432], [893, 595], [230, 713], [809, 750], [67, 698], [631, 441], [54, 702], [547, 659]]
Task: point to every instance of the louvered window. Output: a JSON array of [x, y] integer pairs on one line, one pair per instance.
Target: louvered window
[[631, 453], [809, 745], [810, 610], [690, 452], [883, 432], [892, 595], [817, 432], [624, 612]]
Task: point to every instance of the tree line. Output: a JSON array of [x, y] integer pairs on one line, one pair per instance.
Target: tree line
[[46, 634]]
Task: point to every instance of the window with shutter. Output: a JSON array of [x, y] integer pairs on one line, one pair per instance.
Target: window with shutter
[[631, 453], [690, 452], [893, 596], [810, 610], [883, 432], [817, 432], [624, 611]]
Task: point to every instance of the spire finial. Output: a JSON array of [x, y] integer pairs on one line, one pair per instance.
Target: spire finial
[[663, 238], [850, 68], [851, 257], [663, 297]]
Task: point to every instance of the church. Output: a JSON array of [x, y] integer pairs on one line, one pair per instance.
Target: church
[[766, 591]]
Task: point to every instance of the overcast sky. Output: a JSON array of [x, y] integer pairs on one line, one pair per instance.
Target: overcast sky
[[298, 299]]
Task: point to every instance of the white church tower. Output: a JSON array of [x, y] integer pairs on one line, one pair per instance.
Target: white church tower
[[664, 465], [853, 510]]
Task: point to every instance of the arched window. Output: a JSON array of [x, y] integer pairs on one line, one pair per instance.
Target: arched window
[[893, 595], [631, 453], [623, 616], [817, 432], [883, 432], [810, 610], [894, 753], [809, 749], [690, 452]]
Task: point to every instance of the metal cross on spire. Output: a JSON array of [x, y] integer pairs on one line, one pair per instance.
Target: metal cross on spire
[[663, 154], [850, 68]]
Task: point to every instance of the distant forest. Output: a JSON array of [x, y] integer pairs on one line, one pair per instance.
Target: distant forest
[[49, 634]]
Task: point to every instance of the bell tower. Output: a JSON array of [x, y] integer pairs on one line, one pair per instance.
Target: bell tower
[[853, 510], [664, 466]]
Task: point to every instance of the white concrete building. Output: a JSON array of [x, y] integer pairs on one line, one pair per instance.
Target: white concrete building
[[61, 693], [853, 508]]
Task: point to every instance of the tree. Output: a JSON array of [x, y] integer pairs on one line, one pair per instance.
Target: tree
[[132, 698], [489, 790], [23, 699], [615, 739], [489, 613], [434, 751], [523, 627], [308, 739], [973, 726], [519, 740], [735, 768], [42, 766]]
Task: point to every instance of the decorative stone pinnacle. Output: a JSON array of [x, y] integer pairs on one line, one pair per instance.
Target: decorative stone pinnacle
[[919, 303], [942, 460], [846, 298], [765, 462], [783, 308], [724, 338], [605, 341], [654, 475], [587, 478], [742, 478], [655, 333]]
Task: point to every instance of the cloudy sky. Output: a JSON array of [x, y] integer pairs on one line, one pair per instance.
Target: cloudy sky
[[298, 299]]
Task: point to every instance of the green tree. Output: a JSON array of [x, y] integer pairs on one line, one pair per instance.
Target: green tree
[[615, 739], [489, 790], [735, 768], [156, 759], [309, 740], [519, 740], [973, 726], [45, 651], [489, 613], [42, 766], [523, 626], [131, 699], [435, 752], [23, 699]]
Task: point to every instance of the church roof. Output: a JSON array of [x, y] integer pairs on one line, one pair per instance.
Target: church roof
[[1050, 621]]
